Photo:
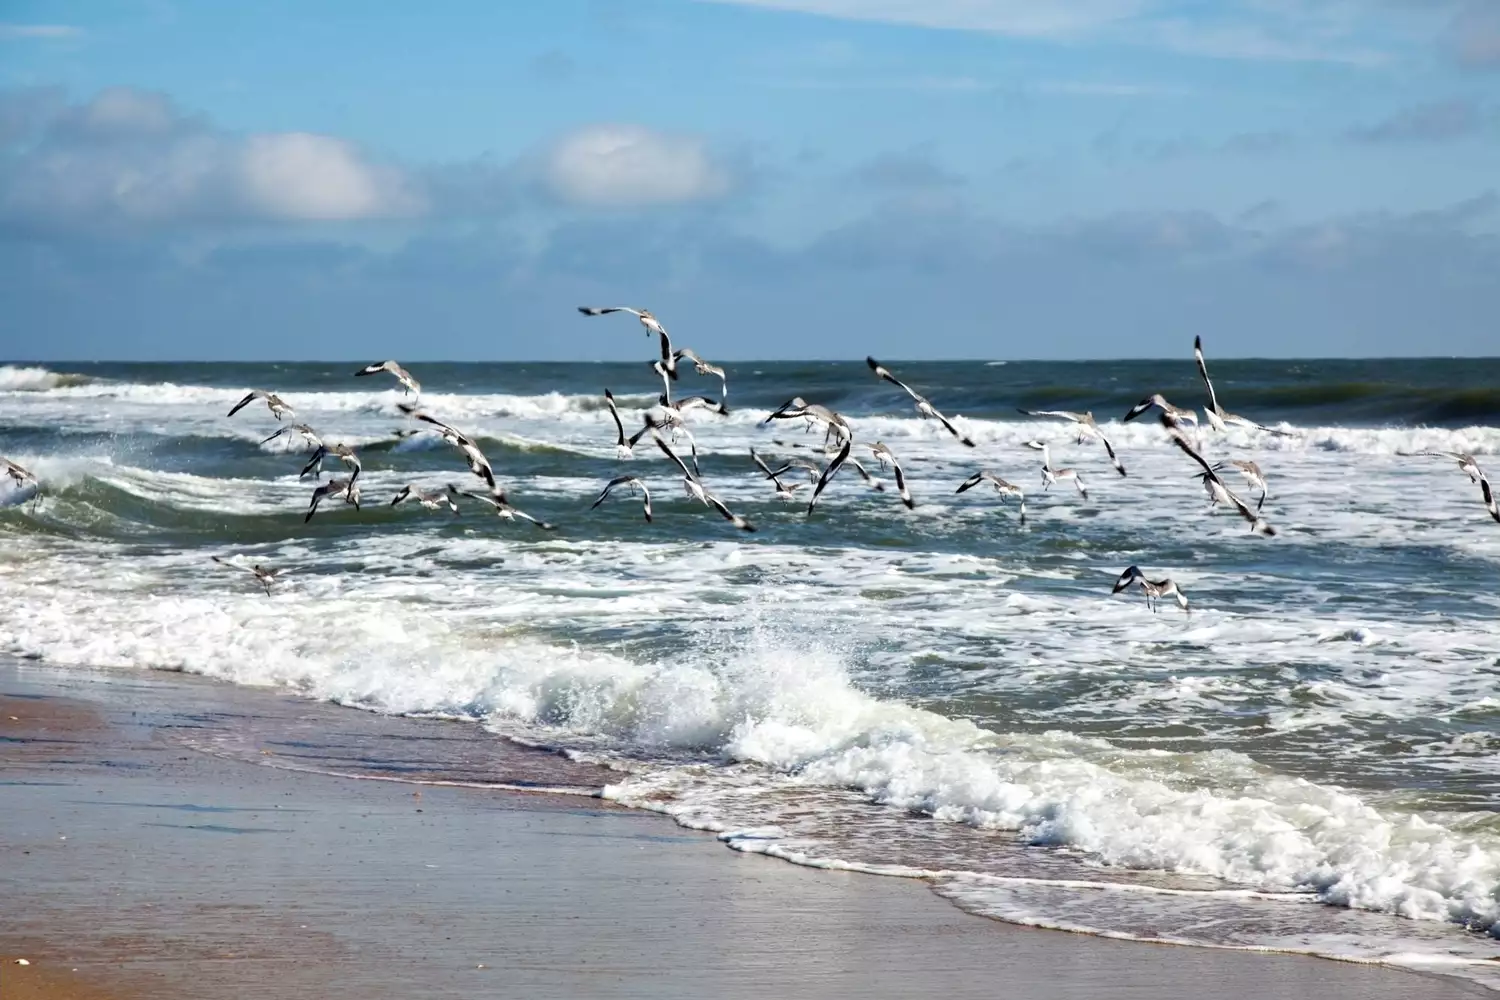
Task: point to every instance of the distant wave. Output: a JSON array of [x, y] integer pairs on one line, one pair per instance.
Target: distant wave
[[14, 378]]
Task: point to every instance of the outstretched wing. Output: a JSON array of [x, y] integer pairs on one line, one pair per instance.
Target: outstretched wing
[[829, 473], [883, 372], [1213, 400]]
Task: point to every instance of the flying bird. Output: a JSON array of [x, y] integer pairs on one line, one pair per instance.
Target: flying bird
[[652, 324], [703, 368], [429, 499], [1154, 590], [1087, 428], [1217, 491], [342, 452], [308, 435], [623, 448], [887, 459], [1218, 418], [784, 491], [1051, 476], [263, 575], [23, 480], [698, 491], [924, 405], [837, 428], [408, 384], [1003, 488], [478, 464], [274, 403], [634, 484], [1177, 415], [502, 507], [829, 472], [334, 489]]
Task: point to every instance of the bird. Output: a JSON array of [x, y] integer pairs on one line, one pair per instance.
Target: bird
[[784, 491], [262, 574], [703, 368], [502, 506], [1219, 419], [408, 384], [309, 435], [635, 484], [837, 428], [623, 448], [1178, 415], [1253, 476], [829, 472], [670, 420], [334, 489], [1489, 498], [652, 325], [478, 464], [698, 491], [1086, 428], [686, 404], [274, 403], [1051, 475], [1003, 488], [924, 405], [430, 499], [1466, 463], [23, 480], [1154, 590], [1217, 491], [342, 452], [887, 458]]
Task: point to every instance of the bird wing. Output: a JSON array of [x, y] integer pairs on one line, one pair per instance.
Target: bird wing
[[250, 397], [662, 444], [901, 483], [1140, 408], [1213, 400], [970, 483], [403, 496], [829, 473], [1109, 450], [606, 310], [1077, 418], [1191, 452], [962, 437], [883, 372], [608, 487], [620, 427], [1489, 498], [729, 515], [1128, 577]]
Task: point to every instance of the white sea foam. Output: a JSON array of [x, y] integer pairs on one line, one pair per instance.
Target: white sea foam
[[15, 378]]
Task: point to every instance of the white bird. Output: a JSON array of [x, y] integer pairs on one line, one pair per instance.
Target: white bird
[[784, 491], [887, 458], [334, 489], [623, 448], [687, 404], [837, 428], [478, 464], [670, 420], [1003, 488], [408, 384], [274, 403], [430, 499], [1050, 476], [1154, 590], [502, 506], [263, 575], [832, 469], [698, 491], [924, 405], [703, 368], [23, 480], [1253, 477], [1177, 414], [309, 435], [1218, 418], [1217, 491], [1469, 467], [635, 484], [1086, 428], [342, 452], [651, 323]]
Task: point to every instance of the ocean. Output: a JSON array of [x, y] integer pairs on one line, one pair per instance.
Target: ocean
[[1308, 760]]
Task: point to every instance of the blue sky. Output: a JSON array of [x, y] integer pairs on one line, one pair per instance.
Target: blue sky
[[774, 178]]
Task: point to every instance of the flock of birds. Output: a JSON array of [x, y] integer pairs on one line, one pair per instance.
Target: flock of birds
[[666, 424]]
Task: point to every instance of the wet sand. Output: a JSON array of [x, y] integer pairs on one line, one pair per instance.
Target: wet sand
[[170, 837]]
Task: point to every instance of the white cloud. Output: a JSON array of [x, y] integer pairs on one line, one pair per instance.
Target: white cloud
[[298, 175], [38, 31], [1033, 18], [631, 165]]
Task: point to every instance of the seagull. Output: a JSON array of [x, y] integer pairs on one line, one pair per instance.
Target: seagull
[[309, 435], [784, 491], [1154, 590], [1002, 487], [1253, 477], [430, 499], [331, 490], [703, 368], [871, 481], [1218, 419], [837, 427], [1086, 428], [697, 491], [1489, 498], [274, 403], [652, 325], [634, 484], [1217, 491], [1051, 475], [23, 479], [924, 406], [265, 576], [1466, 463], [689, 403], [671, 421], [478, 464], [342, 452], [886, 457], [502, 506], [622, 447], [1178, 416], [827, 477], [408, 384]]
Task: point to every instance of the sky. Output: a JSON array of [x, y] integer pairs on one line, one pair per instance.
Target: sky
[[330, 179]]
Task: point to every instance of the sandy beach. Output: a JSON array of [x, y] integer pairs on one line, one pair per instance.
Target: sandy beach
[[168, 837]]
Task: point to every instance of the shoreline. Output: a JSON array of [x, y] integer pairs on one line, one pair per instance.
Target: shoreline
[[144, 847]]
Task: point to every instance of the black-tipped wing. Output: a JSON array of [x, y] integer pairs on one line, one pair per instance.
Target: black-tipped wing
[[667, 449], [829, 473], [619, 427], [249, 398], [883, 372], [1213, 400]]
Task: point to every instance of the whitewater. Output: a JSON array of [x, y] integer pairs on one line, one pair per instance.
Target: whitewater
[[1309, 761]]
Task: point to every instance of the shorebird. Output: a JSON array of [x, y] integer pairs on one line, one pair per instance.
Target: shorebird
[[829, 472], [1003, 488], [332, 490], [667, 419], [703, 368], [430, 499], [478, 464], [1154, 590], [924, 405], [274, 403], [698, 491], [1466, 463], [23, 479], [784, 491], [687, 404], [1218, 418], [408, 384], [1051, 476], [837, 428], [1218, 493], [309, 435], [634, 484], [1087, 428], [264, 576], [1253, 477], [503, 508], [887, 458], [342, 452], [652, 325], [1178, 415], [871, 481], [622, 447]]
